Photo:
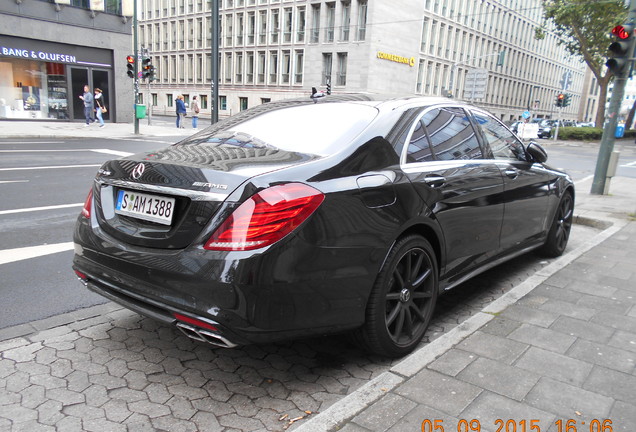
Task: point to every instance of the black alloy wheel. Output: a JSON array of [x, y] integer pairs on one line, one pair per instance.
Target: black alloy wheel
[[559, 233], [403, 299]]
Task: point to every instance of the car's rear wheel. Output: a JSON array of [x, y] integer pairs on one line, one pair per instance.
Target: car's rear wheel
[[559, 233], [402, 300]]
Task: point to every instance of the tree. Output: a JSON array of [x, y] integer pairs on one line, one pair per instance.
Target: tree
[[583, 27]]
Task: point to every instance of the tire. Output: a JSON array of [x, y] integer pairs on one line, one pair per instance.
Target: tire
[[402, 299], [559, 233]]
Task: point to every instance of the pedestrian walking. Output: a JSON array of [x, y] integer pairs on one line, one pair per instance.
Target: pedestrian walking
[[195, 112], [87, 97], [101, 107], [181, 111]]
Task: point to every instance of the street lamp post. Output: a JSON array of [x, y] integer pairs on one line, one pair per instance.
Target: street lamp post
[[214, 30], [136, 69]]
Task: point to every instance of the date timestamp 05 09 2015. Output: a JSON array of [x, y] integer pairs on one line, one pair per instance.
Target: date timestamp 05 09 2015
[[510, 425]]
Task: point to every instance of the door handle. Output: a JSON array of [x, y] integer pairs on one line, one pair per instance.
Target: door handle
[[512, 173], [435, 181]]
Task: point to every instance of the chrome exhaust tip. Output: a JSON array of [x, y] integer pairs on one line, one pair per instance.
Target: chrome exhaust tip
[[202, 335]]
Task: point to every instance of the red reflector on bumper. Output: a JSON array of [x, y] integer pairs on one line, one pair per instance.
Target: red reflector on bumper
[[81, 275], [195, 322]]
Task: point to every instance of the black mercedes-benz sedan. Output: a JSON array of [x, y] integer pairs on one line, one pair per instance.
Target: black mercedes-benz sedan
[[298, 218]]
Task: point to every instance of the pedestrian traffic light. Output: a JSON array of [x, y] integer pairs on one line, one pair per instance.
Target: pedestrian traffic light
[[559, 100], [130, 66], [621, 49]]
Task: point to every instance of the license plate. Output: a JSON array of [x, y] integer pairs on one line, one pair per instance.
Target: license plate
[[145, 206]]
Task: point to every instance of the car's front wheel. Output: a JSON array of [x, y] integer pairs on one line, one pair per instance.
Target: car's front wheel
[[402, 300], [559, 233]]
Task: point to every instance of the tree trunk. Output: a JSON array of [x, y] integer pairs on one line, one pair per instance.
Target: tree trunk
[[630, 117], [602, 100]]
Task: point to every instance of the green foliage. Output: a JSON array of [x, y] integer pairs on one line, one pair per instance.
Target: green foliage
[[584, 26], [580, 133]]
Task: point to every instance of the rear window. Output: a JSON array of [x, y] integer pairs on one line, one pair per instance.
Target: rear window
[[319, 129]]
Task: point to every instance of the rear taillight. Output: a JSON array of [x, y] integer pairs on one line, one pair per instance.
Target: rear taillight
[[266, 217], [86, 211]]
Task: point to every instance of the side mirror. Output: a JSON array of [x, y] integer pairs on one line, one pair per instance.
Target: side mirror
[[536, 152]]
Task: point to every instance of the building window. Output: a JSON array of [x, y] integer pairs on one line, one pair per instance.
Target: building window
[[170, 100], [239, 68], [315, 23], [262, 27], [275, 26], [228, 67], [249, 68], [298, 75], [265, 100], [300, 24], [273, 67], [362, 20], [331, 22], [346, 17], [243, 103], [223, 103], [287, 23], [286, 67], [228, 30], [342, 69], [240, 29], [261, 68], [154, 99], [326, 68], [251, 28]]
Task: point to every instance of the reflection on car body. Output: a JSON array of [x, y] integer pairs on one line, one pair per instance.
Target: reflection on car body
[[357, 227]]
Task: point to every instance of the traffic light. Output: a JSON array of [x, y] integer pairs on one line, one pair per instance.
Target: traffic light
[[130, 66], [621, 49], [559, 100], [329, 87], [566, 99], [146, 67]]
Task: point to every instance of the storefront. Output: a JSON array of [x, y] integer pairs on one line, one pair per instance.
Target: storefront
[[43, 80]]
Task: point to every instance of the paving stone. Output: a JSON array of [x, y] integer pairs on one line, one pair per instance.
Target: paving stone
[[116, 410], [24, 353], [530, 315], [7, 367], [84, 411], [489, 407], [610, 357], [207, 421], [187, 391], [139, 423], [624, 416], [103, 425], [582, 329], [127, 395], [31, 397], [500, 326], [148, 408], [243, 406], [136, 380], [619, 322], [557, 366], [612, 383], [77, 381], [96, 395], [181, 407], [108, 381], [444, 393], [168, 423], [568, 309], [61, 368], [304, 401], [603, 304], [212, 406], [17, 413], [69, 424], [240, 423], [499, 378], [493, 347], [414, 420], [543, 338], [564, 400], [624, 340], [157, 393], [50, 412], [30, 426], [385, 413], [66, 397]]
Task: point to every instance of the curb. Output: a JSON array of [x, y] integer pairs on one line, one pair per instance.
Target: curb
[[354, 403]]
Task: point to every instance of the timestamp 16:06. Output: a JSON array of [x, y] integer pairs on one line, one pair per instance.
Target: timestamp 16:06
[[510, 425]]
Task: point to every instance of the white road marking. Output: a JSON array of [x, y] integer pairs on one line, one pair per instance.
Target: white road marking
[[49, 167], [629, 165], [32, 209], [14, 181], [19, 254], [29, 142], [107, 151]]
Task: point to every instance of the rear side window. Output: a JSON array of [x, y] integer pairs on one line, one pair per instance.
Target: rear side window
[[502, 142], [450, 137]]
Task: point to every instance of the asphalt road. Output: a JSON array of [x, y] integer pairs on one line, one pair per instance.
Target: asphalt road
[[43, 184]]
